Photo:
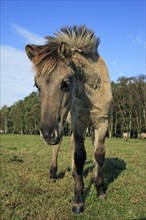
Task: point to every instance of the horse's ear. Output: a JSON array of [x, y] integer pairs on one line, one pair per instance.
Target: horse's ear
[[65, 51], [31, 51]]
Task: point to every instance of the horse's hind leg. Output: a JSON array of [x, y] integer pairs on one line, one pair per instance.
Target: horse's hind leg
[[99, 154], [53, 168], [72, 154]]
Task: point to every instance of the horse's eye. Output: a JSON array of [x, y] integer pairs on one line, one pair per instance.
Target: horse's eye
[[37, 87], [65, 85]]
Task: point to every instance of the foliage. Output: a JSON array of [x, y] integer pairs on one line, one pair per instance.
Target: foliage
[[128, 107], [127, 113], [22, 117], [27, 192]]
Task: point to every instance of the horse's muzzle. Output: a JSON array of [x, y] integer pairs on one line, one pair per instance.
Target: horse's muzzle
[[51, 137]]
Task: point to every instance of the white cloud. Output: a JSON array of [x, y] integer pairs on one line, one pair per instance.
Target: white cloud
[[17, 75], [28, 36], [138, 39]]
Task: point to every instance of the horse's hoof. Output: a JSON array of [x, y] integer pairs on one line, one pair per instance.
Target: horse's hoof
[[52, 180], [53, 177], [101, 195], [77, 208]]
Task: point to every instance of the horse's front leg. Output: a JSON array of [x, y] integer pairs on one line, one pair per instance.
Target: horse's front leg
[[53, 168], [79, 160], [99, 154]]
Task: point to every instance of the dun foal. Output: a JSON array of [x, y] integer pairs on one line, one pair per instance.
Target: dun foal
[[73, 79]]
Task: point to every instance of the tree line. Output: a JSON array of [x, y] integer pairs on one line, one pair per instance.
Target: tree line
[[127, 113]]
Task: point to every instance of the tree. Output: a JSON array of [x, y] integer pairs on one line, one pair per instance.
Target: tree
[[32, 113], [4, 119], [16, 118]]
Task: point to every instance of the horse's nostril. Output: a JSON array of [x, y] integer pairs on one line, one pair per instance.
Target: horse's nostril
[[52, 135]]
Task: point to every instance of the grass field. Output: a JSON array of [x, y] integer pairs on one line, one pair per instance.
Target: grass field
[[27, 193]]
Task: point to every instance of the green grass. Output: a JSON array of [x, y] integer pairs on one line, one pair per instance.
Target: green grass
[[27, 193]]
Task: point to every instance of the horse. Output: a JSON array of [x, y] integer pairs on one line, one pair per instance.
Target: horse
[[73, 80], [142, 135], [126, 136]]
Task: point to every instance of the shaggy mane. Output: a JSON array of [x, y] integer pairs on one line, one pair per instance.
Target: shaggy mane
[[77, 37]]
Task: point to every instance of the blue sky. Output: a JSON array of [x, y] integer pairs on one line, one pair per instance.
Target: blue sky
[[119, 24]]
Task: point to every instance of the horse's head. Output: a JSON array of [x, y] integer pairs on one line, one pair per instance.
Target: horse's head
[[55, 80], [60, 65]]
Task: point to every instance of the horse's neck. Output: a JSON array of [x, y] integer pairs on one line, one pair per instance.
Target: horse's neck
[[93, 83]]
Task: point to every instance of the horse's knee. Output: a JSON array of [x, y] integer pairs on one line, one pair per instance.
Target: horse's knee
[[99, 178], [79, 153], [99, 155], [80, 158], [99, 139]]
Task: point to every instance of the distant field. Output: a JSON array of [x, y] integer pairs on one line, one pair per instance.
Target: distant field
[[28, 194]]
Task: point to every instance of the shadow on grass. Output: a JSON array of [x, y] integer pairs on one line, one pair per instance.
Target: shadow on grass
[[62, 174], [85, 173], [89, 166], [16, 159], [144, 218], [112, 168]]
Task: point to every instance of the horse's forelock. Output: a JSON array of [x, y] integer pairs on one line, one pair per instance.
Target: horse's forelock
[[78, 37]]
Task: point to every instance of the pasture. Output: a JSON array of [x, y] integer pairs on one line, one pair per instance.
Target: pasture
[[27, 193]]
